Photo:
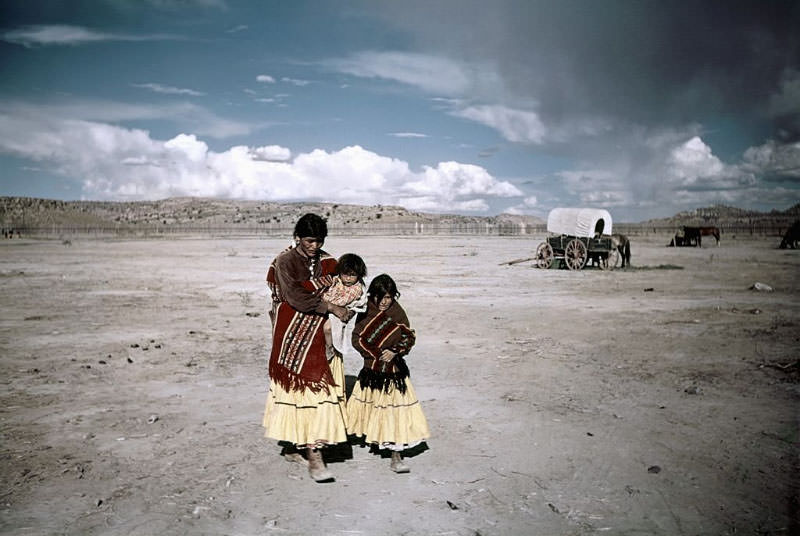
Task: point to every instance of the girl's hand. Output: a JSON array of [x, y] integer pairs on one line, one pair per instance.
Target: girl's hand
[[387, 355]]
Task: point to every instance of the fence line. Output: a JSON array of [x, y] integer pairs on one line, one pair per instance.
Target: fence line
[[388, 229]]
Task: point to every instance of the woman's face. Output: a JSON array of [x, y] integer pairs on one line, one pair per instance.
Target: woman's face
[[385, 303], [310, 245]]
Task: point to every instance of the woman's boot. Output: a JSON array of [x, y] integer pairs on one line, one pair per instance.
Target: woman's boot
[[316, 466], [398, 466]]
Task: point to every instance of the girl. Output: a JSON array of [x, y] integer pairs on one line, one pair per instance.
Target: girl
[[383, 406]]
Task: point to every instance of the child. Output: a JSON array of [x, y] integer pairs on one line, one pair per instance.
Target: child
[[347, 290], [383, 406]]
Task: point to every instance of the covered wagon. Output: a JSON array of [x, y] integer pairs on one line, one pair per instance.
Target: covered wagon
[[577, 235]]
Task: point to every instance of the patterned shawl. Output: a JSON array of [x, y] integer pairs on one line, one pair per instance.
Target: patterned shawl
[[298, 360], [376, 331]]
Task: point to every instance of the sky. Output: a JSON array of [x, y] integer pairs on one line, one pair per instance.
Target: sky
[[642, 107]]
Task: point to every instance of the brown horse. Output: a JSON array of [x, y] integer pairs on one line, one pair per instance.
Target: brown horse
[[792, 236], [693, 236], [623, 245]]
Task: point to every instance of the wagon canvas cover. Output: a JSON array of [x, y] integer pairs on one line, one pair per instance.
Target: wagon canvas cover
[[580, 222]]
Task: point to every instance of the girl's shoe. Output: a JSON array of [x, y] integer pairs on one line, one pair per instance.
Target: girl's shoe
[[397, 465]]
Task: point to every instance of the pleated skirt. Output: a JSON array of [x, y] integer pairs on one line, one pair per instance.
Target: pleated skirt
[[388, 419], [305, 417]]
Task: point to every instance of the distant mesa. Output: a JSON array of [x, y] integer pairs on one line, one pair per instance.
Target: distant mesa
[[208, 215], [205, 214]]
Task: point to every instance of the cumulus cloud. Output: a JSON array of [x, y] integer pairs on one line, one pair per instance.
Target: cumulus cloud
[[61, 34], [120, 163], [267, 79], [777, 162], [169, 90], [529, 205], [271, 153], [694, 160]]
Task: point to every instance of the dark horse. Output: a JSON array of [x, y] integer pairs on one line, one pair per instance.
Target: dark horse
[[792, 236], [692, 236], [623, 245]]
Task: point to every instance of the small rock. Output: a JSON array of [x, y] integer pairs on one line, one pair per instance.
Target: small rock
[[152, 419], [693, 390], [654, 469], [135, 345], [130, 360], [761, 287], [452, 506], [649, 289]]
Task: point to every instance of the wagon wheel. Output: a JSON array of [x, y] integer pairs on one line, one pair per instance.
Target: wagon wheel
[[610, 262], [544, 256], [576, 255]]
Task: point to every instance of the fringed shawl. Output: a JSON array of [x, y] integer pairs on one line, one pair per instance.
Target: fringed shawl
[[376, 331], [298, 360]]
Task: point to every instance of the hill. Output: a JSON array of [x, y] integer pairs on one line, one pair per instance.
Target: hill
[[190, 213], [729, 217]]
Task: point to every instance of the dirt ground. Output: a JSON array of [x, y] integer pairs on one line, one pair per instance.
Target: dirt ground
[[657, 400]]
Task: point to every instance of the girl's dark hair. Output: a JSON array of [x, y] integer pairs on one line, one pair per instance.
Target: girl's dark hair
[[311, 225], [350, 263], [381, 286]]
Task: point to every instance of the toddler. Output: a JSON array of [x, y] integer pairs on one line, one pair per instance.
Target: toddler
[[347, 290]]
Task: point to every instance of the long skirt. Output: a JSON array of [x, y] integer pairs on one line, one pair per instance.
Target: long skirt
[[307, 418], [389, 419]]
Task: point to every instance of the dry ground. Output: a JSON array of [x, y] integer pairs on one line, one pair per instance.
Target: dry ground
[[658, 400]]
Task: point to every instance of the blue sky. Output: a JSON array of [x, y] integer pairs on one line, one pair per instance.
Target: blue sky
[[641, 107]]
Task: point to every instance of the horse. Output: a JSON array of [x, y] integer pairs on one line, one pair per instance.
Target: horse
[[693, 235], [792, 236], [623, 245]]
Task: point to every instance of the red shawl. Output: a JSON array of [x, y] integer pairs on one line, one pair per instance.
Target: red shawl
[[298, 359], [375, 331]]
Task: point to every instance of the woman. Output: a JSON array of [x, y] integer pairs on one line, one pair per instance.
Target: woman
[[305, 405]]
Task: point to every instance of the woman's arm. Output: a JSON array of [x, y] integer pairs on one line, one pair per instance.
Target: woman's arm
[[290, 273]]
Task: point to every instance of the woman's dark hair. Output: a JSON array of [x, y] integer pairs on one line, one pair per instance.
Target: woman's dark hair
[[311, 225], [350, 263], [381, 286]]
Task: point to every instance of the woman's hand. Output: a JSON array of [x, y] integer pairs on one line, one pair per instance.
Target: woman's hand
[[340, 312], [387, 355]]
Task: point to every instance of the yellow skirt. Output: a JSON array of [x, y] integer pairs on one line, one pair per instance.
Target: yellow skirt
[[391, 420], [305, 417]]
